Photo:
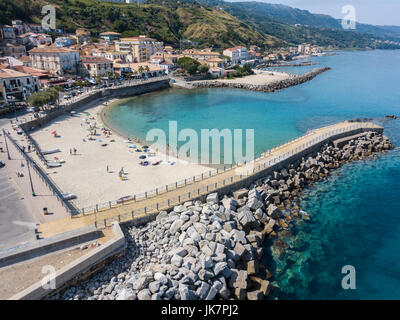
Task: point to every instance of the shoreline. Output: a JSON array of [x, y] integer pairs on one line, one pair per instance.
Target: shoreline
[[78, 173], [292, 80], [214, 249]]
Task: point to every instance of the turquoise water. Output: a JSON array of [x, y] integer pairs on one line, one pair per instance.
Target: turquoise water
[[355, 214]]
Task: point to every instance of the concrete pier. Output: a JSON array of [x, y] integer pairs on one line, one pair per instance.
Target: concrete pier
[[223, 181]]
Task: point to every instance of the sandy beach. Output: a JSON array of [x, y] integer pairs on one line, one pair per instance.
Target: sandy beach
[[259, 78], [85, 173]]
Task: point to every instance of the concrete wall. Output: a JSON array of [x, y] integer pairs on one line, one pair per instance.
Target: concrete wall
[[79, 269], [291, 160], [108, 92], [44, 246]]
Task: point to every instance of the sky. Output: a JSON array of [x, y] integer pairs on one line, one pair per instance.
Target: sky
[[378, 12]]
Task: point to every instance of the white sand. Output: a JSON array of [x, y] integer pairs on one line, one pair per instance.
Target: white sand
[[259, 78], [85, 174]]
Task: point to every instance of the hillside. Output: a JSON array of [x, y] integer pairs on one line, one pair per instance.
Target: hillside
[[209, 22], [165, 22]]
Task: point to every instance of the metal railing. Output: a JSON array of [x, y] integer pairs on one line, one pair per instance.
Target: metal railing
[[50, 183], [215, 186]]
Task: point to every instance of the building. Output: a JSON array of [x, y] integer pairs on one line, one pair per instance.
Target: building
[[110, 36], [62, 42], [113, 55], [95, 66], [13, 50], [58, 61], [217, 72], [17, 84], [7, 32], [215, 63], [142, 69], [236, 54], [32, 40], [201, 55], [141, 48]]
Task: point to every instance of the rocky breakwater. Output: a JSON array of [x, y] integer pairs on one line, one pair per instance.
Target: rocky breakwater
[[214, 250], [294, 80]]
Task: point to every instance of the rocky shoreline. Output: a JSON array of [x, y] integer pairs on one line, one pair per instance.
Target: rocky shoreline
[[271, 87], [214, 250]]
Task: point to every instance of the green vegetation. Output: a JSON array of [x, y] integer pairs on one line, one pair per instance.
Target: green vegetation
[[167, 21], [211, 23], [203, 68], [43, 98], [241, 71], [188, 64]]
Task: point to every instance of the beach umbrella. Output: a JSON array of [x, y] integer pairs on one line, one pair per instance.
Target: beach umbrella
[[53, 132], [132, 146], [102, 125], [142, 157], [100, 140], [145, 147]]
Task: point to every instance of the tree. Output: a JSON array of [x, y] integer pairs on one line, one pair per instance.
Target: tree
[[42, 98], [188, 64], [141, 69], [203, 68]]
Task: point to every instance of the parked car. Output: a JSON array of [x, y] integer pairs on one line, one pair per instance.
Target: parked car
[[67, 97], [33, 109]]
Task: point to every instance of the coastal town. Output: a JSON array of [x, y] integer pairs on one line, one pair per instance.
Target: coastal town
[[103, 198], [32, 60]]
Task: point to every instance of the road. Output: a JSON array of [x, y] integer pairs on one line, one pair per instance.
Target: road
[[16, 223]]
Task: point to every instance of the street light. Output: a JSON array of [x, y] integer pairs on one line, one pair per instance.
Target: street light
[[30, 179], [8, 152]]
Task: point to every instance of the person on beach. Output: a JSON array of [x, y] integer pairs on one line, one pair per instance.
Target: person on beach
[[70, 151], [29, 148], [74, 151], [108, 169]]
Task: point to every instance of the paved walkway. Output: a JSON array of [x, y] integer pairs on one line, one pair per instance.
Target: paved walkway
[[20, 212], [193, 189]]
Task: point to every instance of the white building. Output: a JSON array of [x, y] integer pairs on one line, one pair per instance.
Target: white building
[[17, 84], [58, 61], [96, 66], [141, 48], [236, 54]]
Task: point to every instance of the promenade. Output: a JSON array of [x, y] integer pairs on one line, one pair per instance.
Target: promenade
[[194, 187]]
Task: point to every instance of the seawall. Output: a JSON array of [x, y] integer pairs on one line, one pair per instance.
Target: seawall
[[271, 87], [119, 92]]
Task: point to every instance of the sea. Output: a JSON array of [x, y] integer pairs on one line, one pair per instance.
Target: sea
[[355, 213]]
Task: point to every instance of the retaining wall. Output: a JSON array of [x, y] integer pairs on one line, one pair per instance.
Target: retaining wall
[[44, 246], [108, 92], [80, 269]]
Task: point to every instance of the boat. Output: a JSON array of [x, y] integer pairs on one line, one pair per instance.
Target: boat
[[124, 199], [49, 151], [68, 196], [53, 164]]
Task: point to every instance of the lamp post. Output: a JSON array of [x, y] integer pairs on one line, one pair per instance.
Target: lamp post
[[30, 179], [5, 139]]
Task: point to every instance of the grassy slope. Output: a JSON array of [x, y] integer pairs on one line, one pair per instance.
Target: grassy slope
[[168, 23]]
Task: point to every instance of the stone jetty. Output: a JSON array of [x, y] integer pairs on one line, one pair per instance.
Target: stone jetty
[[294, 80], [213, 249]]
